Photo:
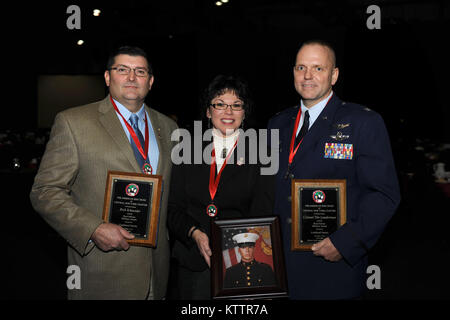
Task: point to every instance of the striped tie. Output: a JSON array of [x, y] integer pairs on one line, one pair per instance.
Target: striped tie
[[134, 124]]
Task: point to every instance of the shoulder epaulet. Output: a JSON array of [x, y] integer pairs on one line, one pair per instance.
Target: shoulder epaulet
[[287, 110], [355, 106]]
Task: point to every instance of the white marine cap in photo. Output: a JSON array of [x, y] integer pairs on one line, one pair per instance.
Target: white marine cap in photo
[[246, 239]]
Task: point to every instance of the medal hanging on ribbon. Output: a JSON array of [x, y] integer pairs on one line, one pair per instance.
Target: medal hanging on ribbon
[[211, 209], [147, 167]]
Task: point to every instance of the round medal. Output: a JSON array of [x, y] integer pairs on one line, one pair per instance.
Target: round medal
[[147, 168], [211, 210]]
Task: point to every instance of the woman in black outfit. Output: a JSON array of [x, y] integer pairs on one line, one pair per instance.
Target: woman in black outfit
[[215, 189]]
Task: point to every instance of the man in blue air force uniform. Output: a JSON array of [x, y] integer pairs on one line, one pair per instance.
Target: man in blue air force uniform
[[340, 141]]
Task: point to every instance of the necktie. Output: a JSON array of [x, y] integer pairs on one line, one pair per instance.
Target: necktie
[[134, 124], [304, 129]]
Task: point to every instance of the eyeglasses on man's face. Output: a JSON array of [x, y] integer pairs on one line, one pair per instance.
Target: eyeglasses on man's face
[[224, 106], [124, 70]]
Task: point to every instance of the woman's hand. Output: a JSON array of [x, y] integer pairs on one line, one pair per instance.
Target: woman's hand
[[202, 241]]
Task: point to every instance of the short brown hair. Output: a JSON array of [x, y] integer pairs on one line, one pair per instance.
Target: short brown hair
[[323, 43], [128, 50]]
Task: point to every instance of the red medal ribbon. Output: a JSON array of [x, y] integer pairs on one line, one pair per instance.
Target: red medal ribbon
[[293, 151], [214, 183], [143, 153]]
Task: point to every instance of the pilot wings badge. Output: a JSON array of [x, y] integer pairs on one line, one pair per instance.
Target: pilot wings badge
[[342, 125], [339, 136]]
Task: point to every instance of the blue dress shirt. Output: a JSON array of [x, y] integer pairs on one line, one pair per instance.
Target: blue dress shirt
[[153, 151]]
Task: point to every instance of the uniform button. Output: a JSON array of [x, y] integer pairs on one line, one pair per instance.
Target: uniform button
[[249, 284], [292, 176], [289, 220], [248, 278], [289, 198]]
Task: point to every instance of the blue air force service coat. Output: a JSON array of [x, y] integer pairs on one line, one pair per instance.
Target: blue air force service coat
[[347, 141]]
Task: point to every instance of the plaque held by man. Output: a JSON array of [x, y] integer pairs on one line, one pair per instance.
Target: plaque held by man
[[318, 210], [132, 201]]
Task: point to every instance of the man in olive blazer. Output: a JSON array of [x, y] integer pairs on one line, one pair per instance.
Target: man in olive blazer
[[85, 143]]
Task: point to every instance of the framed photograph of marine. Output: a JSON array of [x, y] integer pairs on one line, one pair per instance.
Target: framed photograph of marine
[[247, 259]]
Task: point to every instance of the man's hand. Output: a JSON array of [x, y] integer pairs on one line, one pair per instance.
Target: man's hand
[[327, 250], [109, 236], [203, 245]]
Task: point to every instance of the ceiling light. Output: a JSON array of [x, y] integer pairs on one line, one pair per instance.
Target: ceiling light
[[80, 42], [219, 3], [224, 1], [96, 12]]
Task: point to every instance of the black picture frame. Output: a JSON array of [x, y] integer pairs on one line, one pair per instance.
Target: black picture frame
[[268, 229]]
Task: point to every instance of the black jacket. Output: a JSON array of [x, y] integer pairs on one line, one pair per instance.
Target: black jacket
[[242, 193]]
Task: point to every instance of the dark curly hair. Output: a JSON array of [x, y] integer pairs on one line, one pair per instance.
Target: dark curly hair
[[222, 84]]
